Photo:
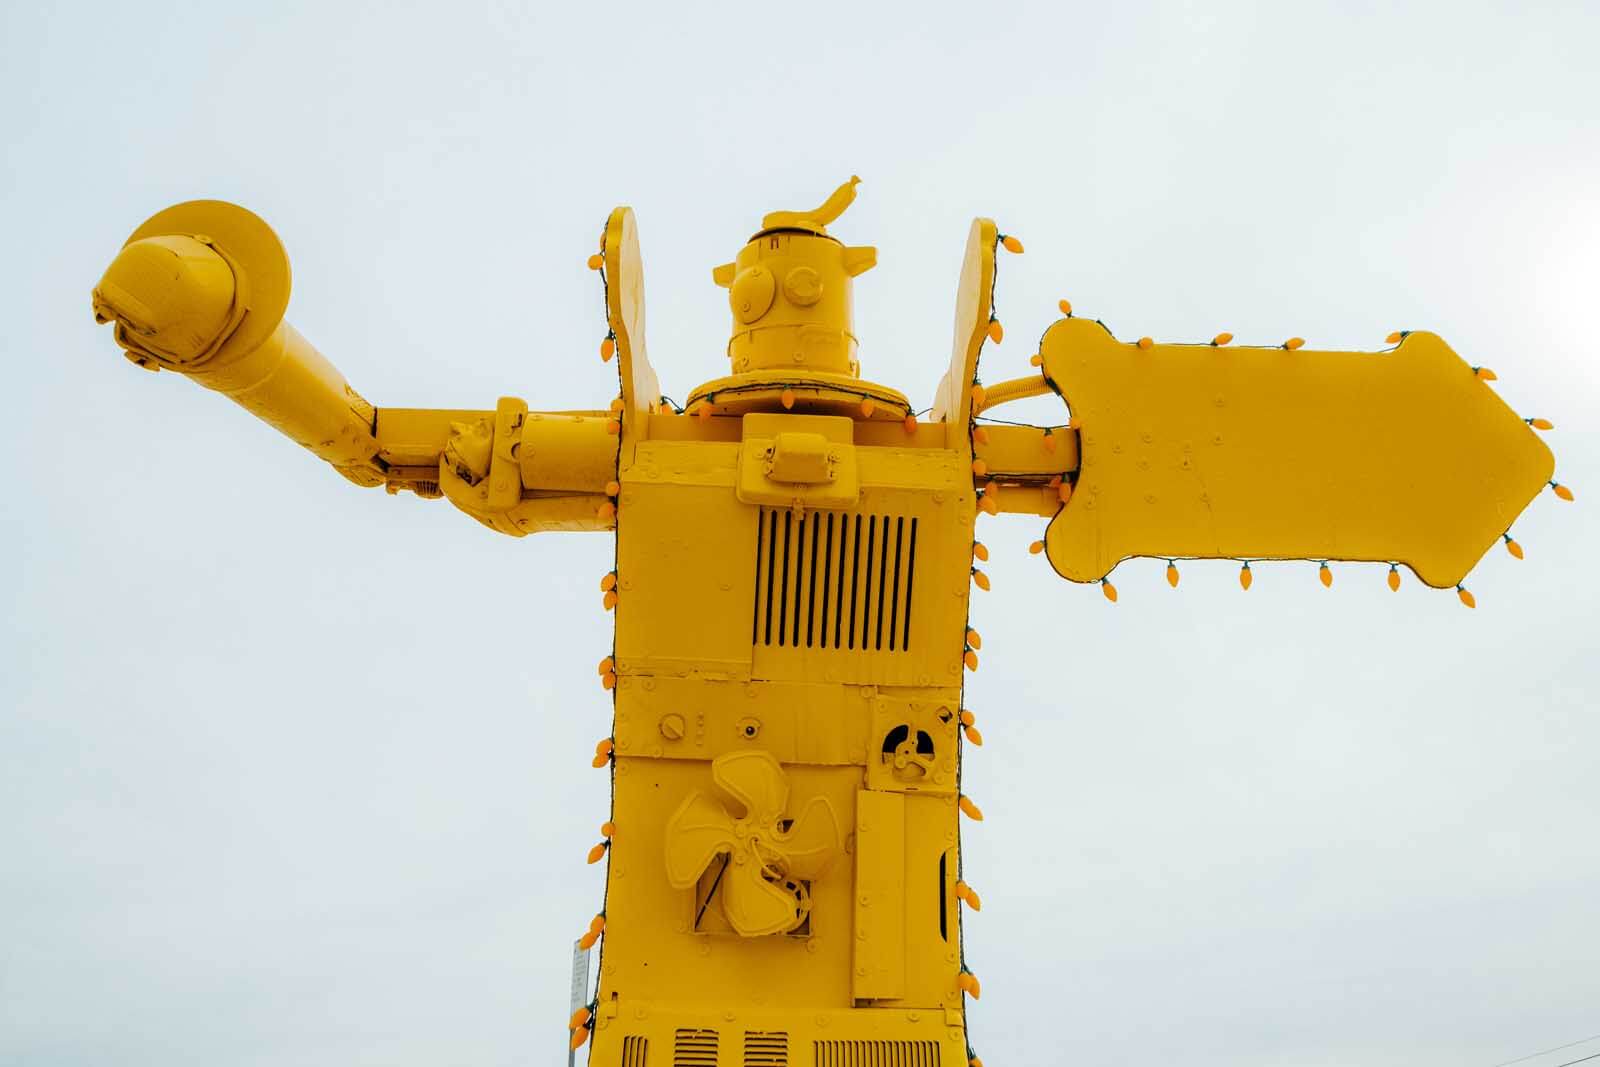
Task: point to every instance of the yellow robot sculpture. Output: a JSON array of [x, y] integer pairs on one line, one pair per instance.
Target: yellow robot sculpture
[[794, 559]]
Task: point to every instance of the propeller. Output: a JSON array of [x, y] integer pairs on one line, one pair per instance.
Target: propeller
[[769, 857]]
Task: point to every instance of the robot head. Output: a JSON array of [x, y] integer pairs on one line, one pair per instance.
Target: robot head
[[789, 290]]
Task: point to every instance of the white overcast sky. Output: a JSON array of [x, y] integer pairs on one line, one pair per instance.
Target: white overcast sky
[[295, 774]]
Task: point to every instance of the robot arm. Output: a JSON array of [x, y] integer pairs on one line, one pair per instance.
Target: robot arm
[[201, 289]]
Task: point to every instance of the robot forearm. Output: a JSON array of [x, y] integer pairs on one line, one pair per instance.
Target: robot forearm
[[201, 288]]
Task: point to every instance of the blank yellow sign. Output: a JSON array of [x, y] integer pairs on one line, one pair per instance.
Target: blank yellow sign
[[1199, 451]]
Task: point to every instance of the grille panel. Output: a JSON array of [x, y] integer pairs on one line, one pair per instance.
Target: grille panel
[[835, 580], [766, 1049], [876, 1053], [636, 1050], [694, 1048]]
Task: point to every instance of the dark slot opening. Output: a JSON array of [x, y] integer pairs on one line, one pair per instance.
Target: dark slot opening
[[783, 599], [944, 900], [911, 570], [755, 608], [772, 550], [883, 574], [866, 596], [799, 569], [894, 598], [855, 580], [827, 578], [838, 600], [811, 580]]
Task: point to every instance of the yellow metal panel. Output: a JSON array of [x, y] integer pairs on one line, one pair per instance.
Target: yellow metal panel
[[880, 916], [641, 393], [952, 401], [1205, 451], [702, 718], [933, 933], [684, 590]]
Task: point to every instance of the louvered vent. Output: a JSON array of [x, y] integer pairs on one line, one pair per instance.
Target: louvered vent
[[834, 580], [636, 1048], [766, 1049], [694, 1048], [877, 1054]]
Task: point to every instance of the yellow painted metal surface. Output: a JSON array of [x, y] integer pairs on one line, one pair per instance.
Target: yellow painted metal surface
[[794, 559], [1271, 453]]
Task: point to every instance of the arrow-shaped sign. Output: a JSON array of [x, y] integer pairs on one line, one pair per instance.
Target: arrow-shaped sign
[[1206, 451]]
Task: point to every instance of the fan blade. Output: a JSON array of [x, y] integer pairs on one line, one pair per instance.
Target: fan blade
[[754, 906], [756, 780], [812, 843], [696, 833]]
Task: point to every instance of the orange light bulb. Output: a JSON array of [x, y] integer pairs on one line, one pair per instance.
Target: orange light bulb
[[1293, 343], [1172, 574], [597, 853], [980, 579], [970, 658], [974, 638], [1222, 338], [997, 332], [1465, 597], [1065, 306], [1109, 590], [971, 810], [1512, 547], [608, 348], [1245, 577], [1394, 579], [1035, 548], [1011, 244], [1146, 342], [596, 261], [980, 550]]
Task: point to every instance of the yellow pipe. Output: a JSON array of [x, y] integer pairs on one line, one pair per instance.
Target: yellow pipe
[[1015, 389]]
